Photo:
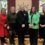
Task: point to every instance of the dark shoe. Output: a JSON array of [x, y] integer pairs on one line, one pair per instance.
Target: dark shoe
[[12, 44], [21, 44]]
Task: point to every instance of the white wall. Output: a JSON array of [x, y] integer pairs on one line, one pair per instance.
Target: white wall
[[25, 3]]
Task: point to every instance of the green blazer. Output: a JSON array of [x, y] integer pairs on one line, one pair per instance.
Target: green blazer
[[34, 21]]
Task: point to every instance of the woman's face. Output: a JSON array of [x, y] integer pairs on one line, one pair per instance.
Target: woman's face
[[12, 9], [3, 11], [33, 9]]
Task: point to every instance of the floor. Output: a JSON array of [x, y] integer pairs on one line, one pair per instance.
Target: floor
[[26, 41]]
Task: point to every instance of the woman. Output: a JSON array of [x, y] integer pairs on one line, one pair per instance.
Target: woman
[[12, 26], [3, 30], [22, 24], [33, 25], [42, 25]]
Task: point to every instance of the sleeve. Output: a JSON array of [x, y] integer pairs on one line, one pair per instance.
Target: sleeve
[[18, 20], [8, 19], [26, 22], [28, 18], [40, 19]]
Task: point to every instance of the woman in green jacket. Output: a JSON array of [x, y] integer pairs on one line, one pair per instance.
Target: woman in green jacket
[[33, 19]]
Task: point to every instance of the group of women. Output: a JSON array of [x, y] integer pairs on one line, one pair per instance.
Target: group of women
[[22, 23]]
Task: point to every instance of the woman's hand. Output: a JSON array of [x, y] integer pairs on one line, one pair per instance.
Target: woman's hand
[[5, 25], [30, 25], [8, 27], [23, 25], [42, 25]]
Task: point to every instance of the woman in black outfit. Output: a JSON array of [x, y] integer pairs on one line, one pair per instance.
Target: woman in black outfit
[[11, 22], [42, 25], [22, 21]]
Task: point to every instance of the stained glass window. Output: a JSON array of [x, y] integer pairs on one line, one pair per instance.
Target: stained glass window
[[41, 2], [3, 4]]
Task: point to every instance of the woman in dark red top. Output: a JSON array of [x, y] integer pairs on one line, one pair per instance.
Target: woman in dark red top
[[3, 30]]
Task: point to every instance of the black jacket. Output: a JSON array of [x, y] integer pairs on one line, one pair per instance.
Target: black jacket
[[42, 19], [22, 17], [11, 18]]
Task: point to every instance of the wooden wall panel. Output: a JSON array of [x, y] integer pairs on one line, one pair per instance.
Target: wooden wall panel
[[36, 3], [12, 3]]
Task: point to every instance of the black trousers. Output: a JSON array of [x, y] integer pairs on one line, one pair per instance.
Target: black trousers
[[12, 33], [2, 40], [11, 38], [21, 34], [21, 39], [33, 36], [42, 34]]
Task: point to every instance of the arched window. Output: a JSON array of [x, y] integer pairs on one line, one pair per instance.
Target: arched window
[[41, 2], [3, 4]]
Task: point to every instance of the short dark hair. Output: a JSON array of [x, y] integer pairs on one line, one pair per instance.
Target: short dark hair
[[3, 9]]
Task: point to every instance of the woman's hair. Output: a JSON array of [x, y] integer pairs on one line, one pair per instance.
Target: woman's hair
[[31, 10], [43, 10]]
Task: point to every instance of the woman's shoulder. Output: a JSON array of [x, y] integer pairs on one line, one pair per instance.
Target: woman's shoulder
[[42, 15]]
